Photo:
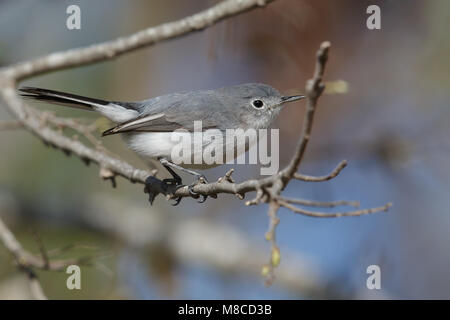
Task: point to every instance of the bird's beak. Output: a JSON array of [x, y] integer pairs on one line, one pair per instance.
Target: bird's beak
[[288, 99], [291, 98]]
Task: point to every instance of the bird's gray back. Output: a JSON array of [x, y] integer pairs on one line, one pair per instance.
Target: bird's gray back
[[186, 107], [217, 109]]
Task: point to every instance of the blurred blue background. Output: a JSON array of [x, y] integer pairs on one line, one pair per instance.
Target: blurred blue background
[[392, 126]]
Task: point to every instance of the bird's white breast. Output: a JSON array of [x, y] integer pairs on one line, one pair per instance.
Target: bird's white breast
[[161, 144]]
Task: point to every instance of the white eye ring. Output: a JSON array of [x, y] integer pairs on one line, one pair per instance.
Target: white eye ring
[[258, 104]]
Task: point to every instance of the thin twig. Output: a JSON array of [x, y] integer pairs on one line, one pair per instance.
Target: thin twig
[[275, 255], [314, 88], [322, 204], [329, 176], [316, 214]]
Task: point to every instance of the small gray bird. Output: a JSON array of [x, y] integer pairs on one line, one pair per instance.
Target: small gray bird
[[147, 125]]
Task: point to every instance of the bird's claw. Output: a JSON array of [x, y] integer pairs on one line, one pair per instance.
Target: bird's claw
[[202, 198], [153, 187], [174, 182], [177, 201]]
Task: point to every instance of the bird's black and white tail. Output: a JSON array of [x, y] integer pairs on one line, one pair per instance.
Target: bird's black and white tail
[[116, 111], [62, 98]]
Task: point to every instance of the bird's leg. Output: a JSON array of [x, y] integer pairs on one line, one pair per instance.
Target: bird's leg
[[200, 178], [176, 178]]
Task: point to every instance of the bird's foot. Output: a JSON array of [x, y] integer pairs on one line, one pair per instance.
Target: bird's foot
[[201, 179], [177, 183]]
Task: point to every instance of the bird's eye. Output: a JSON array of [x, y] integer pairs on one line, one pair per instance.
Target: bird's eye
[[258, 104]]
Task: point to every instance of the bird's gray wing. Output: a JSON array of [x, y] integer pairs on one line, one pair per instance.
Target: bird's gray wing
[[178, 111]]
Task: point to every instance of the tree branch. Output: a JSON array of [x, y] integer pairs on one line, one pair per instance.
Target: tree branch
[[111, 49]]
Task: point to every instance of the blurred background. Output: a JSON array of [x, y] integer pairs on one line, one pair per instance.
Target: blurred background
[[392, 126]]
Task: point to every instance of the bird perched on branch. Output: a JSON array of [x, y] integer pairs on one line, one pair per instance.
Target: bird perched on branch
[[147, 126]]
